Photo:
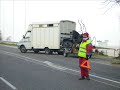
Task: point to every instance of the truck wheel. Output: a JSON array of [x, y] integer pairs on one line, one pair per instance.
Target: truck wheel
[[36, 51], [65, 54], [47, 51], [23, 49], [51, 52], [60, 53]]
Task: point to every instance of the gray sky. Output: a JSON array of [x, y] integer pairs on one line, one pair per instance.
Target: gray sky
[[103, 26]]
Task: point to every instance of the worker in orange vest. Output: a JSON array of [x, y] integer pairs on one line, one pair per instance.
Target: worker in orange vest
[[85, 52]]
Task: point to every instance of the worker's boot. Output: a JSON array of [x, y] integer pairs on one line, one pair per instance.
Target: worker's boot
[[82, 78], [88, 78]]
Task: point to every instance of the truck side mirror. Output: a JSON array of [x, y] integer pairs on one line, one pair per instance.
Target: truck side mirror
[[23, 36]]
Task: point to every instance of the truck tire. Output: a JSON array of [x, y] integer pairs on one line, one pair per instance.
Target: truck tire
[[23, 49], [60, 53], [36, 51], [47, 51], [51, 52]]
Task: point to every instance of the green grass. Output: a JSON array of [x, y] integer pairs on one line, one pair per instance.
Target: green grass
[[102, 56], [117, 58], [9, 44], [116, 63]]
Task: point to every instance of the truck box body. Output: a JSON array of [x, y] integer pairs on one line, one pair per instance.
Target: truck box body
[[46, 37]]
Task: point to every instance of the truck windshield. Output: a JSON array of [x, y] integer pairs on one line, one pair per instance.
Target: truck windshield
[[28, 34]]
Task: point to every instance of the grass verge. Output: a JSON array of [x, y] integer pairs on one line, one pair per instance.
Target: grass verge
[[9, 44]]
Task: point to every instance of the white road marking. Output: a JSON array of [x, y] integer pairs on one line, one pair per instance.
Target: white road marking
[[106, 83], [9, 84], [50, 64], [54, 66], [105, 79]]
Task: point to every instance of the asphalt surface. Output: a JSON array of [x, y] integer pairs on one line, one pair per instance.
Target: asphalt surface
[[30, 71]]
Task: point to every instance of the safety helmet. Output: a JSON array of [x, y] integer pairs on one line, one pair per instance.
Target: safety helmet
[[86, 34]]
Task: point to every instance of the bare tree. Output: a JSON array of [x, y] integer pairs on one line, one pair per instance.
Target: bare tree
[[110, 3], [113, 1], [117, 1]]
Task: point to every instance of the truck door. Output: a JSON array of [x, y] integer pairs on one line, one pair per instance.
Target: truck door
[[27, 40]]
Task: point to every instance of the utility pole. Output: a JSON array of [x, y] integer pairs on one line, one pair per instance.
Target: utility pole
[[0, 36], [119, 39], [13, 20], [0, 23], [25, 15], [119, 48]]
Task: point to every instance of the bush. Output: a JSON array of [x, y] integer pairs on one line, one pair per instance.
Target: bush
[[118, 57], [101, 53]]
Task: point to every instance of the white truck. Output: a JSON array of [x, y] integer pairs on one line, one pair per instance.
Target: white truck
[[49, 37]]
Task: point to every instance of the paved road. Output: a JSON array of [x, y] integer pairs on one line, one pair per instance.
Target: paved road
[[29, 71]]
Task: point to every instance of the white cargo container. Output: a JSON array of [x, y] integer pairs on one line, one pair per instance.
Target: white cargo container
[[47, 36]]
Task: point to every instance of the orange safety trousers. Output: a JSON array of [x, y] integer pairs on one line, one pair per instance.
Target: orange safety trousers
[[84, 71]]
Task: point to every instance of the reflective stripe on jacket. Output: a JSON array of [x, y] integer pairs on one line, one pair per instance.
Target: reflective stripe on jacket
[[82, 49]]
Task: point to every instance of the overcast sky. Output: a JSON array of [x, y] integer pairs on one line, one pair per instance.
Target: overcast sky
[[15, 18]]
